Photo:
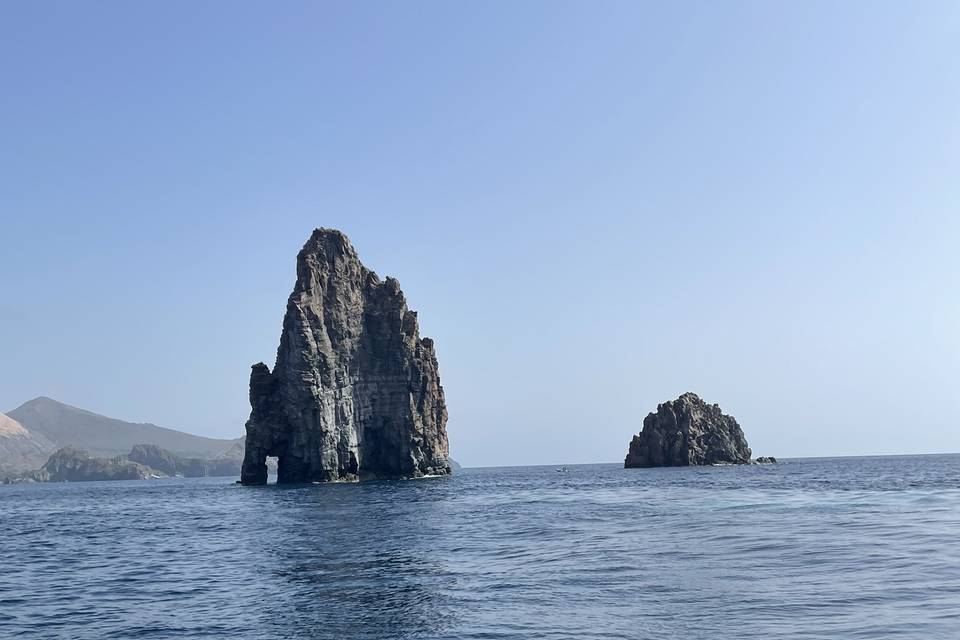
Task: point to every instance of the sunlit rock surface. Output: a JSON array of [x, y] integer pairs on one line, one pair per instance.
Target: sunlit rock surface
[[355, 392], [685, 432]]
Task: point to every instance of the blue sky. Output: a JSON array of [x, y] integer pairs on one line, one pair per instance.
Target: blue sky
[[595, 207]]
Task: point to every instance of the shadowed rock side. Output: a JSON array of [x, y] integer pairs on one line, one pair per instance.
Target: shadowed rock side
[[685, 432], [355, 392]]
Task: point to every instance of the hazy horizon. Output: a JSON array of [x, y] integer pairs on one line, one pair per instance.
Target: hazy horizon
[[592, 211]]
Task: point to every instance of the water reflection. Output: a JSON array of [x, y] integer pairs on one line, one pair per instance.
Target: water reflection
[[357, 561]]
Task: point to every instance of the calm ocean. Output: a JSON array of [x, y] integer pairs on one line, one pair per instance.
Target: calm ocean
[[812, 548]]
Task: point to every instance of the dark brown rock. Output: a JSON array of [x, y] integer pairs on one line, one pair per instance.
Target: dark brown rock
[[355, 392], [685, 432]]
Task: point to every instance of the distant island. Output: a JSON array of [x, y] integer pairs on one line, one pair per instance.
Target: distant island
[[55, 425], [47, 440], [143, 462]]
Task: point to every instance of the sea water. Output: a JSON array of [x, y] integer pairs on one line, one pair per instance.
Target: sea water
[[812, 548]]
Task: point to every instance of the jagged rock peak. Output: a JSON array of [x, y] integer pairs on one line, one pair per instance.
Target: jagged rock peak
[[688, 431], [355, 392]]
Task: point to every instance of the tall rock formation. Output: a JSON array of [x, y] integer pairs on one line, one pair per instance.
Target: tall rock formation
[[355, 392], [685, 432]]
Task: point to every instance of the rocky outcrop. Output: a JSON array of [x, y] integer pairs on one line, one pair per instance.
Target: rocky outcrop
[[73, 465], [168, 463], [355, 392], [685, 432], [150, 455], [766, 460]]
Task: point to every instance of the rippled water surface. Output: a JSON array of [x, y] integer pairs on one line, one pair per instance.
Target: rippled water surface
[[828, 548]]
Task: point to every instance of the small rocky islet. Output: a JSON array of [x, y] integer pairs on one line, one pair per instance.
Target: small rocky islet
[[689, 432]]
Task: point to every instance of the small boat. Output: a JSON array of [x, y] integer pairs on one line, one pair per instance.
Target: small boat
[[561, 469]]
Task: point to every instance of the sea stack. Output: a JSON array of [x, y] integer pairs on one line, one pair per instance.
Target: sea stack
[[686, 432], [355, 393]]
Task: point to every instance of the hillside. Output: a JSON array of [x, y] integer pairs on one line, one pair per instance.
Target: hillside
[[20, 449], [62, 425]]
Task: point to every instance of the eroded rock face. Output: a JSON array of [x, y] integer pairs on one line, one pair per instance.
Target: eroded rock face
[[355, 392], [685, 432]]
